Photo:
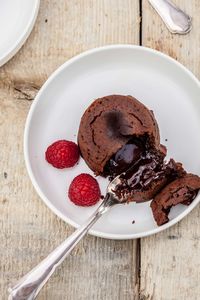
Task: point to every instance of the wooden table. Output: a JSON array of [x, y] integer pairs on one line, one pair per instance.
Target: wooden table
[[165, 266]]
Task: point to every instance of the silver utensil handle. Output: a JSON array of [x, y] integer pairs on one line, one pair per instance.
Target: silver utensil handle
[[30, 285], [175, 19]]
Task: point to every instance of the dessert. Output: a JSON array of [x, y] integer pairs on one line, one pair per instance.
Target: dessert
[[119, 135], [180, 191], [110, 123], [143, 180]]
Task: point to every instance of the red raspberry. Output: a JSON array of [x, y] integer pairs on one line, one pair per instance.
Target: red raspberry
[[62, 154], [84, 190]]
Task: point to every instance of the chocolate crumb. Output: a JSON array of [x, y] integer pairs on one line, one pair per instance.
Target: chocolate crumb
[[133, 222], [102, 197], [5, 175], [46, 20]]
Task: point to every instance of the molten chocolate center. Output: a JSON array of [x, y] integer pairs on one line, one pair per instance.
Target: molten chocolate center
[[149, 168], [128, 155]]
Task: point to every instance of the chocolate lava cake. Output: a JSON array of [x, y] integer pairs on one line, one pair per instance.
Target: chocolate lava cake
[[118, 134], [116, 123]]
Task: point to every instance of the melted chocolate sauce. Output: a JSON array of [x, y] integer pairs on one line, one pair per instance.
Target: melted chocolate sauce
[[128, 155], [150, 170]]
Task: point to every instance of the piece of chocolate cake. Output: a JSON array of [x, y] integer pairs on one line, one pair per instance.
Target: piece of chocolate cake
[[116, 123], [119, 135], [180, 191]]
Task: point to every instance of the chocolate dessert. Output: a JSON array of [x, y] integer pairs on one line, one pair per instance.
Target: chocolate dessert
[[143, 180], [116, 123], [180, 191], [119, 135]]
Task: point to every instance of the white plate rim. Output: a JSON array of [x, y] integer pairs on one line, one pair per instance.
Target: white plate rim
[[23, 37], [26, 132]]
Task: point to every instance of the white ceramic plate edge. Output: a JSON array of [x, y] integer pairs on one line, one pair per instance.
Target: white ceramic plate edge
[[36, 186], [25, 34]]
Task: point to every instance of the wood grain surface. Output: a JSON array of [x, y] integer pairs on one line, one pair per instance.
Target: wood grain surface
[[162, 267], [170, 261]]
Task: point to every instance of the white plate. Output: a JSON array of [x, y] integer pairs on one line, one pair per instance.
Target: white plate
[[17, 18], [158, 81]]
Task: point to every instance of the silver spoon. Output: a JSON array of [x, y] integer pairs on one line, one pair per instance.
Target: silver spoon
[[31, 284], [174, 18]]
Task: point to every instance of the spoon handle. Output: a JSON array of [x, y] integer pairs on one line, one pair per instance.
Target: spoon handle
[[30, 285], [174, 18]]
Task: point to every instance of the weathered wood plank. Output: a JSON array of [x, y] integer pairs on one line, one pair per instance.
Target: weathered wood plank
[[66, 28], [98, 268], [170, 261]]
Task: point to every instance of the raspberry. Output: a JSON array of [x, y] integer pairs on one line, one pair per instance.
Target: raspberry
[[62, 154], [84, 190]]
